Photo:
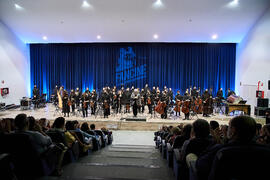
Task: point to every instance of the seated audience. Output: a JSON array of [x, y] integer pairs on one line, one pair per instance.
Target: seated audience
[[264, 138], [40, 142], [179, 140], [45, 124], [175, 132]]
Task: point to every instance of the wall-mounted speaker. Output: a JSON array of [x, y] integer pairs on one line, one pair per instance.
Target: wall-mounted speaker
[[268, 84]]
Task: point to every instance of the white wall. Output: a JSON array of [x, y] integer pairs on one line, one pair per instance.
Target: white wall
[[14, 66], [253, 60]]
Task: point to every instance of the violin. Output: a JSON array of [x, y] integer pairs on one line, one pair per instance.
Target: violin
[[149, 101], [177, 106]]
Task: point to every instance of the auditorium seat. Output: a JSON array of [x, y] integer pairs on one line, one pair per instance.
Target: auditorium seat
[[241, 162], [6, 166], [164, 149], [103, 138], [89, 142], [20, 147], [72, 154], [169, 155]]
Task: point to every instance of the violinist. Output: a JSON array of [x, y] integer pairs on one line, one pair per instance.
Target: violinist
[[115, 102], [150, 102], [206, 100], [219, 97], [78, 95], [143, 100], [178, 100], [66, 108], [72, 97], [106, 108], [36, 96], [85, 103], [198, 105], [194, 92], [186, 105], [93, 102]]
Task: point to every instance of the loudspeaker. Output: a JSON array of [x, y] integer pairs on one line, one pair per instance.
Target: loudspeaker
[[262, 102], [268, 84], [259, 112], [135, 119]]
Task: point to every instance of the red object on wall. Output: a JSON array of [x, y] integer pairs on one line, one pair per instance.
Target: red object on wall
[[260, 94], [4, 91]]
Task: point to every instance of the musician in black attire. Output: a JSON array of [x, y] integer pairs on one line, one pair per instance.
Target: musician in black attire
[[170, 95], [72, 99], [143, 100], [146, 88], [78, 95], [219, 97], [194, 92], [186, 105], [178, 98], [115, 102], [106, 107], [66, 108], [36, 96], [93, 102], [135, 97], [150, 102], [230, 92], [164, 99], [206, 100], [55, 97], [85, 103]]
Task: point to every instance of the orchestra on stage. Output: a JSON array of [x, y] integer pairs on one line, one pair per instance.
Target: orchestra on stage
[[114, 101]]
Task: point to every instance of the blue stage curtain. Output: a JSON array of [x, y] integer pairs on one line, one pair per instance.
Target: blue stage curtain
[[94, 65]]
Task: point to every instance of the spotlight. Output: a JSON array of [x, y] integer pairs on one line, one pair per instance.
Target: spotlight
[[157, 4], [85, 4], [45, 38], [98, 37], [17, 6]]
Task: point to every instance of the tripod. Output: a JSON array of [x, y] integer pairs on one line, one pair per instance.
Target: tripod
[[57, 111]]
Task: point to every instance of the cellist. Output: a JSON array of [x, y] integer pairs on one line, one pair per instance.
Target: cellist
[[186, 105], [178, 99]]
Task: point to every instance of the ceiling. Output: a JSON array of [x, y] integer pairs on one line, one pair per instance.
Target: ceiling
[[65, 21]]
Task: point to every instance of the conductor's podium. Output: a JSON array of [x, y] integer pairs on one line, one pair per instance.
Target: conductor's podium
[[237, 107]]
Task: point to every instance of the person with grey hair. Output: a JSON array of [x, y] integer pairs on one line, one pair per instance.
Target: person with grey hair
[[135, 97]]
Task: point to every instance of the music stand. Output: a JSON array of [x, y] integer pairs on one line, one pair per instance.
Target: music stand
[[192, 114], [57, 110]]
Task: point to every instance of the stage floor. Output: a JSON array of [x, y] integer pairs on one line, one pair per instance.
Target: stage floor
[[118, 121]]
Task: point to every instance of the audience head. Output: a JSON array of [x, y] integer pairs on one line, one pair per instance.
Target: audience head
[[21, 122], [70, 125], [7, 125], [187, 130], [84, 127], [214, 125], [59, 123], [176, 131], [76, 124], [242, 128], [201, 128], [92, 127], [32, 123], [258, 129]]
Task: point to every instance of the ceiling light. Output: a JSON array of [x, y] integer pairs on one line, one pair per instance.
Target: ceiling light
[[85, 4], [233, 3], [214, 36], [155, 36], [45, 38], [157, 4], [98, 37], [17, 6]]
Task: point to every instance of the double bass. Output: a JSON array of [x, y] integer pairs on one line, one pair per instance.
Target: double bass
[[185, 106], [149, 101], [177, 107], [198, 106]]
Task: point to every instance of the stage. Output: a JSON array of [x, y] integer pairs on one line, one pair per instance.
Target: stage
[[143, 122]]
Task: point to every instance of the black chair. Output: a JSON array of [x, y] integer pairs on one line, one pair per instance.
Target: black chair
[[169, 155], [72, 154], [6, 166], [164, 149], [96, 142], [241, 162], [21, 149], [90, 141], [103, 137]]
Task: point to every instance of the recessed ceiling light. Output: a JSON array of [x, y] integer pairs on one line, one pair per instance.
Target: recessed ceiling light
[[45, 38], [214, 36], [17, 6], [157, 4], [155, 36], [85, 4], [233, 4], [98, 37]]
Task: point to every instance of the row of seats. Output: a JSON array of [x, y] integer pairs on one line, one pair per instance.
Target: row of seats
[[25, 155], [220, 154]]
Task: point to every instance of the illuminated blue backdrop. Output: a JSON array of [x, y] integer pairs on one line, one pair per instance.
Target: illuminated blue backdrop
[[95, 65]]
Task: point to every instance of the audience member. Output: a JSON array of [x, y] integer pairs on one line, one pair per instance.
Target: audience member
[[179, 140]]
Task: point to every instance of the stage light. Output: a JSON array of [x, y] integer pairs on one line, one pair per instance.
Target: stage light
[[157, 4], [85, 4], [45, 38], [155, 36], [214, 36], [98, 37], [18, 7]]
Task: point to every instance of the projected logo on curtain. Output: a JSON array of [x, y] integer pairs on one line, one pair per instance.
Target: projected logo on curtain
[[127, 70]]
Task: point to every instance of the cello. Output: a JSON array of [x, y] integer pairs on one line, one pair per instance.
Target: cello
[[177, 106], [185, 108], [160, 107], [198, 106]]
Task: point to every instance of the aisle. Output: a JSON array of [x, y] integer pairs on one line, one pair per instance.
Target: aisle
[[120, 162]]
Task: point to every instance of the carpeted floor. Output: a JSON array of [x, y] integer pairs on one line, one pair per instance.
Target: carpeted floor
[[120, 162]]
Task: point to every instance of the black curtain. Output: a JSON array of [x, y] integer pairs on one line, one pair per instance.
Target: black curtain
[[95, 65]]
